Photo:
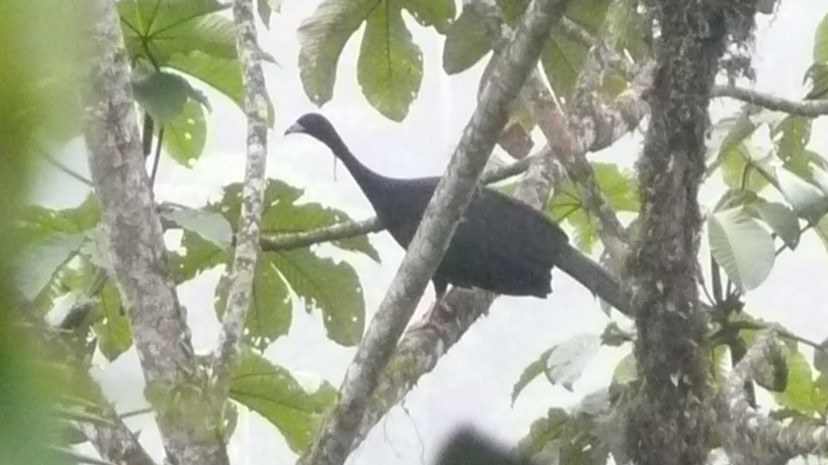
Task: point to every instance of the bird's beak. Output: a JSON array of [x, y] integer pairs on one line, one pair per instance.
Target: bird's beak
[[296, 127]]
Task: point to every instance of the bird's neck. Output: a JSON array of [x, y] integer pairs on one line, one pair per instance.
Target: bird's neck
[[368, 180]]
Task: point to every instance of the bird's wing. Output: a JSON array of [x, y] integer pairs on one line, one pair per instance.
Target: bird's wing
[[502, 225]]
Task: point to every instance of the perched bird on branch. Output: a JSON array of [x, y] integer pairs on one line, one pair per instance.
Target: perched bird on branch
[[500, 245]]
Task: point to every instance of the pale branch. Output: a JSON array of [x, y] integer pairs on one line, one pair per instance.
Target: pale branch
[[348, 229], [247, 236], [333, 443], [747, 430], [807, 108], [338, 231], [134, 238]]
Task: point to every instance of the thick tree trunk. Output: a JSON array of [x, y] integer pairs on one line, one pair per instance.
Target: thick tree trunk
[[670, 419]]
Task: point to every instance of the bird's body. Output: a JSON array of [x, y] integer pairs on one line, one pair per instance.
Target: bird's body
[[500, 244]]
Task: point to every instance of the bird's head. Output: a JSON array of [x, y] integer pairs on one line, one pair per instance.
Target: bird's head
[[314, 125]]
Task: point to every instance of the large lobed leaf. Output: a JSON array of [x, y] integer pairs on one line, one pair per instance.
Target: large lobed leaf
[[272, 392], [322, 283], [390, 65]]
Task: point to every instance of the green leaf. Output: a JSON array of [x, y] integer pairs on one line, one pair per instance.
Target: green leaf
[[283, 217], [568, 359], [222, 74], [331, 287], [821, 42], [186, 134], [742, 247], [563, 438], [736, 130], [155, 30], [618, 187], [112, 326], [39, 262], [390, 65], [162, 95], [437, 13], [807, 200], [273, 393], [530, 372], [781, 219], [818, 75], [264, 10], [740, 169], [586, 233], [792, 135], [36, 222], [626, 371], [199, 255], [562, 57], [821, 360], [801, 394], [821, 230], [321, 40], [467, 41], [207, 224], [733, 198], [625, 27], [269, 315], [820, 178]]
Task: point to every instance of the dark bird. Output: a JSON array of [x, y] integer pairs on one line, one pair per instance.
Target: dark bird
[[500, 245], [468, 447]]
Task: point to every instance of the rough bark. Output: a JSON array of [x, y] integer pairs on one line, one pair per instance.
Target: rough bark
[[432, 238], [670, 419], [136, 249]]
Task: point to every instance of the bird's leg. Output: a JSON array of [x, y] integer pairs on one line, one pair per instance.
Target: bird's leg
[[440, 287]]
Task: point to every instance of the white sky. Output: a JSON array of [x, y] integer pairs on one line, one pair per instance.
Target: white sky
[[473, 382]]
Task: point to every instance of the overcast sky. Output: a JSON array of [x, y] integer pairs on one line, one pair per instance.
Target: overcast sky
[[472, 383]]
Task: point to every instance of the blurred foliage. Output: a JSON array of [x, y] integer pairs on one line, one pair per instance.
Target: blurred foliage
[[38, 41]]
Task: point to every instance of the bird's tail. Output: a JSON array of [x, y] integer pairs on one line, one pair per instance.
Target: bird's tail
[[594, 277]]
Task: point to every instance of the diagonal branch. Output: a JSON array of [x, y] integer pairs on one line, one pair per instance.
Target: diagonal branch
[[431, 240], [247, 248]]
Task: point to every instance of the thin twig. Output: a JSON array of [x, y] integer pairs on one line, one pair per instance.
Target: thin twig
[[65, 169]]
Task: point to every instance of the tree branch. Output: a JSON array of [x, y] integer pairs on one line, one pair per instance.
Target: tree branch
[[752, 437], [247, 245], [135, 243], [808, 108], [431, 240]]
